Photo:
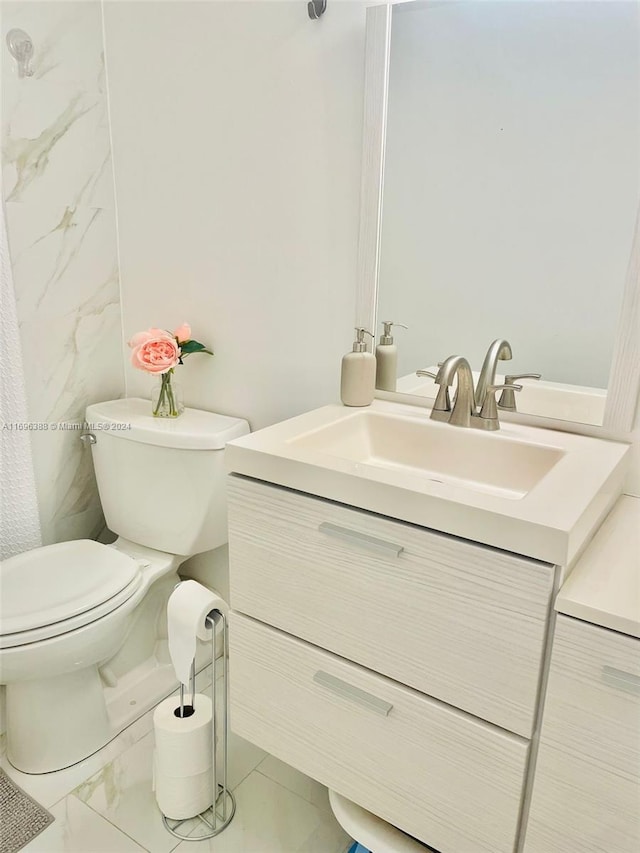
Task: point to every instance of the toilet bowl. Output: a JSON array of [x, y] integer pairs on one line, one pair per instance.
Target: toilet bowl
[[83, 648]]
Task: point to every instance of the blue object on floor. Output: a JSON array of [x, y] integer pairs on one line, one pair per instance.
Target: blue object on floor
[[358, 848]]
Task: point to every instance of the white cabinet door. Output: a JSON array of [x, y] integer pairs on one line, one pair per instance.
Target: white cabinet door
[[459, 621], [444, 777], [586, 794]]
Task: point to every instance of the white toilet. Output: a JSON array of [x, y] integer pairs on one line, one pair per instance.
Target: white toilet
[[83, 649]]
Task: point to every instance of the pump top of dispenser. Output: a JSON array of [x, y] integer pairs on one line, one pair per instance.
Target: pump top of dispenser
[[360, 345], [386, 338]]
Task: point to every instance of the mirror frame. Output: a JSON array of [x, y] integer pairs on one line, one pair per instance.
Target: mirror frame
[[623, 388]]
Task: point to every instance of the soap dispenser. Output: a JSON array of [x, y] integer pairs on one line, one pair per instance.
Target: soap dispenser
[[358, 376], [387, 358]]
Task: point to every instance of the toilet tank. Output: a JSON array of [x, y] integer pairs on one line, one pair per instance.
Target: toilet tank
[[162, 480]]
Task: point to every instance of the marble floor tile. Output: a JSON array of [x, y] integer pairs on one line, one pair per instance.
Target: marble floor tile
[[121, 792], [49, 788], [271, 819], [329, 837], [290, 778], [243, 758], [112, 808], [78, 829]]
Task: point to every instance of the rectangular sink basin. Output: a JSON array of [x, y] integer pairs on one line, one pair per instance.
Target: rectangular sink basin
[[532, 491], [462, 457]]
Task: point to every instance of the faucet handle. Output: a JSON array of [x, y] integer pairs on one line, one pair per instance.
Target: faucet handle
[[443, 401], [507, 386], [489, 411], [509, 380], [507, 401], [428, 372]]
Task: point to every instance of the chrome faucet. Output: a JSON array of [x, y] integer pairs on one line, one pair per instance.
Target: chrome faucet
[[500, 350]]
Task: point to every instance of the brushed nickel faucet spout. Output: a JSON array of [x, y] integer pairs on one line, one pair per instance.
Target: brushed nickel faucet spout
[[464, 401], [500, 350]]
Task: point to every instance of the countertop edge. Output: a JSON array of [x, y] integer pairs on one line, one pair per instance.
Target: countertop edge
[[604, 586]]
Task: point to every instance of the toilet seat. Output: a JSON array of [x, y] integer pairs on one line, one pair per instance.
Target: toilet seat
[[52, 590]]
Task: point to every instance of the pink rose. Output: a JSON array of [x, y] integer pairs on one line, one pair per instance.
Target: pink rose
[[157, 354], [142, 337], [183, 333]]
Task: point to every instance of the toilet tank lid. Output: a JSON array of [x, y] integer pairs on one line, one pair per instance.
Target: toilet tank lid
[[131, 418]]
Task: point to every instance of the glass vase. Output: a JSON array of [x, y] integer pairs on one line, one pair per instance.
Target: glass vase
[[166, 398]]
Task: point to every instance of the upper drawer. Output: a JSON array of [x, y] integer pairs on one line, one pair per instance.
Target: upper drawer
[[586, 794], [450, 780], [459, 621]]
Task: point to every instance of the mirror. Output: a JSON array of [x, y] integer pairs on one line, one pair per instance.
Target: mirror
[[510, 191]]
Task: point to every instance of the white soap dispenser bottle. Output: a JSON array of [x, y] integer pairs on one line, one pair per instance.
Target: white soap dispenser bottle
[[358, 376], [387, 358]]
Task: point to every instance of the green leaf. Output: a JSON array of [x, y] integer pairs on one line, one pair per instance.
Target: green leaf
[[189, 347]]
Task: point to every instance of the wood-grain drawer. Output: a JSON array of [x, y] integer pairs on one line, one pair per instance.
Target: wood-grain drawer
[[459, 621], [586, 794], [445, 777]]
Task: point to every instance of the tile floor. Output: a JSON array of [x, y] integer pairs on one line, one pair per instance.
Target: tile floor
[[105, 804]]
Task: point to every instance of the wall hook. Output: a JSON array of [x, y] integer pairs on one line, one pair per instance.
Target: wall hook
[[316, 8], [21, 48]]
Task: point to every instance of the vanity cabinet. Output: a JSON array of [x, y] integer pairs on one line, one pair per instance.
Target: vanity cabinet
[[396, 665], [586, 794], [461, 622]]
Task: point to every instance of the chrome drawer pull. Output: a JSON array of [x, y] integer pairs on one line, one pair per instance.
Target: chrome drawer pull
[[621, 679], [362, 539], [348, 691]]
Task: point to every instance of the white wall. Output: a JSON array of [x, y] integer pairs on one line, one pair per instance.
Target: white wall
[[237, 139]]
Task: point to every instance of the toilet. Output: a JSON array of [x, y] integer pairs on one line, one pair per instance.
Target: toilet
[[83, 639]]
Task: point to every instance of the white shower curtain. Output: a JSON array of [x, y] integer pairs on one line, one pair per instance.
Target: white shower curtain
[[19, 518]]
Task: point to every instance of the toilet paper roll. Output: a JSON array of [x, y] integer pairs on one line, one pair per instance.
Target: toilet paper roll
[[184, 745], [183, 798], [188, 607]]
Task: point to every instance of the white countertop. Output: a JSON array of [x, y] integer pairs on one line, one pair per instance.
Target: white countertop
[[604, 586], [552, 522]]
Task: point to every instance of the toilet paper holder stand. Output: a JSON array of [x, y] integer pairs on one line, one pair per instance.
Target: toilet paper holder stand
[[220, 814]]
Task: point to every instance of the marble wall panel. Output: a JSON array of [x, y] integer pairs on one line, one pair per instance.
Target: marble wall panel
[[57, 184]]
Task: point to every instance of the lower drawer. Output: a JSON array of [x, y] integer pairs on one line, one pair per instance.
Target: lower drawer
[[446, 778]]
